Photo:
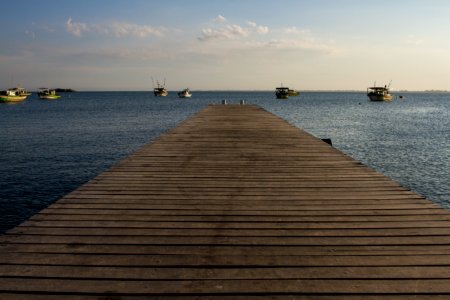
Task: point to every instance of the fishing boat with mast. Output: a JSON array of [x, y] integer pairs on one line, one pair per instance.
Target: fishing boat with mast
[[282, 92], [291, 92], [379, 93], [47, 94], [16, 94], [160, 89], [22, 91]]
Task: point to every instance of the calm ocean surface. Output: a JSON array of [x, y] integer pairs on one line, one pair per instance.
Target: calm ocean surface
[[49, 148]]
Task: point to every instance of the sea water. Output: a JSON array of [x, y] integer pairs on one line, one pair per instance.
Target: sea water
[[49, 148]]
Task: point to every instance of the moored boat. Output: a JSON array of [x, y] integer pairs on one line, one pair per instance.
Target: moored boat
[[22, 92], [14, 95], [48, 94], [185, 94], [282, 92], [293, 93], [160, 89], [379, 93]]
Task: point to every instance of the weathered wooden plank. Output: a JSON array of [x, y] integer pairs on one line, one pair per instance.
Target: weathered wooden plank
[[235, 232], [261, 196], [247, 185], [180, 212], [167, 249], [227, 219], [235, 225], [245, 191], [281, 296], [236, 202], [214, 260], [273, 199], [312, 173], [248, 207], [243, 273], [261, 171], [324, 286], [221, 240]]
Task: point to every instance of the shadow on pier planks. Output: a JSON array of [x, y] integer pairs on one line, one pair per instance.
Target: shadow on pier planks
[[233, 203]]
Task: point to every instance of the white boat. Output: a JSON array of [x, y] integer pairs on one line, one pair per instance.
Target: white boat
[[379, 93], [14, 95], [185, 94], [21, 91], [48, 94]]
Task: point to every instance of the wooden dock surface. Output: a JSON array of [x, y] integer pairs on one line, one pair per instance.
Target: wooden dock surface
[[234, 203]]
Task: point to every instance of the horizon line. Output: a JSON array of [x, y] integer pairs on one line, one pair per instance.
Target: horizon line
[[308, 91]]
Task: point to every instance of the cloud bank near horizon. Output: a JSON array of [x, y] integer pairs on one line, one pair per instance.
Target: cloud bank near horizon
[[116, 29]]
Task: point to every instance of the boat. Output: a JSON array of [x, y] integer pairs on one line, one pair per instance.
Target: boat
[[379, 93], [48, 94], [21, 91], [160, 89], [185, 94], [282, 92], [14, 95], [293, 93]]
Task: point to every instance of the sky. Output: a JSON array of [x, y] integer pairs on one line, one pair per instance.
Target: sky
[[112, 45]]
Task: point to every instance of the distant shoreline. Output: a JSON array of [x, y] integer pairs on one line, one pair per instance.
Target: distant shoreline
[[65, 90]]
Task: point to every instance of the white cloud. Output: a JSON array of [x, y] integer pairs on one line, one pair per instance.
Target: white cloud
[[232, 32], [76, 28], [228, 32], [262, 29], [258, 29], [295, 30], [117, 29], [120, 29], [302, 44], [219, 19]]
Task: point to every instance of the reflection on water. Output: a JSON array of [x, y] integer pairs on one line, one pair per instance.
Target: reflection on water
[[50, 148]]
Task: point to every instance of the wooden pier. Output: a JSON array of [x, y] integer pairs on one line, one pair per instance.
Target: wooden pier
[[234, 203]]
